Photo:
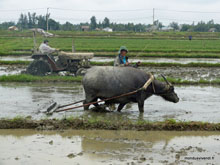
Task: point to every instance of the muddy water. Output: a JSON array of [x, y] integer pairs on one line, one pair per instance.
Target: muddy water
[[16, 58], [188, 73], [162, 60], [11, 70], [108, 147], [27, 99], [142, 59], [197, 103]]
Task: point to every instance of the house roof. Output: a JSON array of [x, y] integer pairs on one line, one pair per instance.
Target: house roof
[[85, 27]]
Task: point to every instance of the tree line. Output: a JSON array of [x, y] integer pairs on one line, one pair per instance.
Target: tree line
[[32, 20]]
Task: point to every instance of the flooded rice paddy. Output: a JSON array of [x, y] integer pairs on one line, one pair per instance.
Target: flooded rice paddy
[[11, 69], [108, 147], [197, 103], [131, 59], [184, 73], [163, 60], [16, 58]]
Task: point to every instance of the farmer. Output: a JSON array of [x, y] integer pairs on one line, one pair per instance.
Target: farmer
[[46, 49], [121, 59]]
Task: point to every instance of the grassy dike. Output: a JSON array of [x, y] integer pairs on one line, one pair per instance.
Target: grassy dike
[[30, 78], [101, 123], [14, 62], [55, 78]]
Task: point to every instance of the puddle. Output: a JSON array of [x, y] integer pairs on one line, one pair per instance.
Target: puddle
[[108, 147], [197, 103], [163, 60]]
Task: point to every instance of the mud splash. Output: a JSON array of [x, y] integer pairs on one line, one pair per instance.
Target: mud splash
[[108, 147], [11, 70]]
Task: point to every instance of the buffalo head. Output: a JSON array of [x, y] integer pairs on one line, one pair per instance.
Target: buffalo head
[[168, 92]]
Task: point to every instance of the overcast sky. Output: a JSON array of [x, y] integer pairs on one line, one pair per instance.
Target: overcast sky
[[137, 11]]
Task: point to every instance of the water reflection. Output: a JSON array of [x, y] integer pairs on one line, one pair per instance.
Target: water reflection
[[101, 147]]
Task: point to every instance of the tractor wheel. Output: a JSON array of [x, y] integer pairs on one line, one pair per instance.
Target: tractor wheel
[[81, 72], [39, 68], [73, 68]]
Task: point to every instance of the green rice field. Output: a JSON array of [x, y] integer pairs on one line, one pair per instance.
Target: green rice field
[[160, 44]]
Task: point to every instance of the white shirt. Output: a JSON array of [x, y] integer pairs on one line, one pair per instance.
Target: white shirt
[[46, 49]]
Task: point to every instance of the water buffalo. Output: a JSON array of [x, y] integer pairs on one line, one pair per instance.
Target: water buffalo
[[106, 81]]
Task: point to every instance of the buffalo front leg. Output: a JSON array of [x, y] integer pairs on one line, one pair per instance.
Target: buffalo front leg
[[141, 106], [120, 107], [89, 99]]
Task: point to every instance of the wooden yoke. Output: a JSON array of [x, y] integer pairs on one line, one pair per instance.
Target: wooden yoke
[[149, 81]]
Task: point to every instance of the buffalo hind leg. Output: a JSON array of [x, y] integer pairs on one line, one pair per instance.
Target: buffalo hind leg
[[86, 107], [141, 106], [120, 107]]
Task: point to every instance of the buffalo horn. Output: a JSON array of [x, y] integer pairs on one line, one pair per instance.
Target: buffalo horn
[[168, 83]]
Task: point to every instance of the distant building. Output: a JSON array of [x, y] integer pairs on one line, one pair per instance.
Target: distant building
[[212, 30], [97, 29], [13, 28], [85, 28], [167, 29], [108, 29], [152, 28]]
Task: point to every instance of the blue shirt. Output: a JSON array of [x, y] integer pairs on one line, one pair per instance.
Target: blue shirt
[[122, 59]]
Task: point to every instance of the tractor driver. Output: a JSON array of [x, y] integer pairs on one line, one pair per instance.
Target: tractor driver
[[121, 59], [46, 49]]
